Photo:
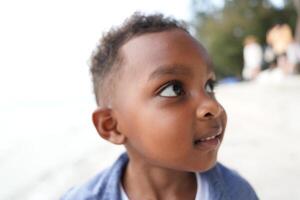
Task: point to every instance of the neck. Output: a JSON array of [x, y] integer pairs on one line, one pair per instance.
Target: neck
[[143, 181]]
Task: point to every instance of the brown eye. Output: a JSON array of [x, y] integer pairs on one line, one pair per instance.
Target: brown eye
[[172, 90]]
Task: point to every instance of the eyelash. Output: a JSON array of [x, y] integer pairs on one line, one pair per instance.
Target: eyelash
[[170, 83]]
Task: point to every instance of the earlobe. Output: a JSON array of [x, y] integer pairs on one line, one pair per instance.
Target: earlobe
[[106, 125]]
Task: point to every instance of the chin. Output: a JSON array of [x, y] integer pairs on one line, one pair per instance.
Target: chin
[[207, 165]]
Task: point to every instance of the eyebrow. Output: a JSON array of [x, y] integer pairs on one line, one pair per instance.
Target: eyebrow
[[170, 70]]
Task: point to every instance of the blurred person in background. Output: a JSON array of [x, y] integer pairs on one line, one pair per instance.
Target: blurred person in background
[[282, 53], [253, 56], [293, 57]]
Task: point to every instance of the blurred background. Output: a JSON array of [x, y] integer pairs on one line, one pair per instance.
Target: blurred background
[[48, 143]]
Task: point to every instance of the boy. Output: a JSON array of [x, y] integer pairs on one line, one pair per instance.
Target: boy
[[154, 84]]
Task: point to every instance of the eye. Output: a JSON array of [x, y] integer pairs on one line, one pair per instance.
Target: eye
[[172, 89], [210, 85]]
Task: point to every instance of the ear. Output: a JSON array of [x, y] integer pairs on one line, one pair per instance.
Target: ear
[[106, 125]]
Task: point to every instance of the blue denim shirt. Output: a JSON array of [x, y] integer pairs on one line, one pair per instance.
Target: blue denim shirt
[[224, 184]]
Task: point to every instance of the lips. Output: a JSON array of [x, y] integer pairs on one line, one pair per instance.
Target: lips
[[211, 139]]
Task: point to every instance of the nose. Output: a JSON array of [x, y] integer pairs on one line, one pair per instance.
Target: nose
[[208, 108]]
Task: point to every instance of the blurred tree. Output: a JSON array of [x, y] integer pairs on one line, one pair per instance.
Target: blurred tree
[[222, 29], [297, 29]]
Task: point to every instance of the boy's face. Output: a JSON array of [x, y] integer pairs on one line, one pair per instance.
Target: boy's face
[[164, 103]]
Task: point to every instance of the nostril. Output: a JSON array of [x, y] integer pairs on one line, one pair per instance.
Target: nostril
[[208, 115]]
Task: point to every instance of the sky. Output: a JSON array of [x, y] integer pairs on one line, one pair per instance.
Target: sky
[[46, 45]]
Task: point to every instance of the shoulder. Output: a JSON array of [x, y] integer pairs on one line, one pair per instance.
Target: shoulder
[[88, 191], [229, 183], [104, 185], [235, 184]]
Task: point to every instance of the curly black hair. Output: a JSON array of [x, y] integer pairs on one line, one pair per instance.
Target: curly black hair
[[106, 58]]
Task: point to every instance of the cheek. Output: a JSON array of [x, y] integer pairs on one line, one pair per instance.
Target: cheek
[[162, 136], [167, 119], [167, 127]]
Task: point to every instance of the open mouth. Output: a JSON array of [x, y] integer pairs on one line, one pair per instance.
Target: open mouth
[[210, 141]]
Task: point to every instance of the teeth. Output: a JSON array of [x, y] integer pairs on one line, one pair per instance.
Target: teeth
[[209, 138]]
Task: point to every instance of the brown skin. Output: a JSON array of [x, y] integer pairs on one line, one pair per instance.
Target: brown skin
[[162, 104]]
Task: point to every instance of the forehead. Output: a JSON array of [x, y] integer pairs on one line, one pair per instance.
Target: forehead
[[164, 49]]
